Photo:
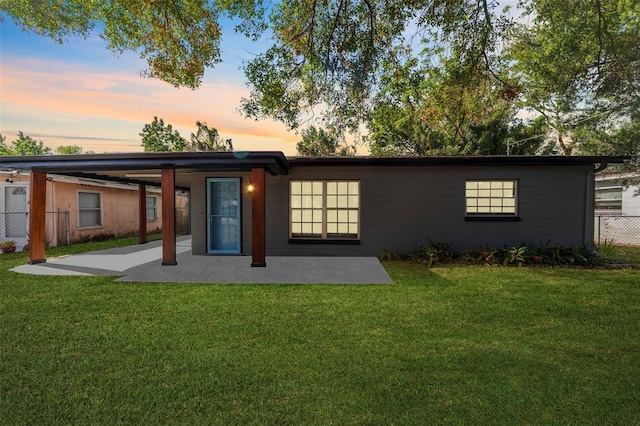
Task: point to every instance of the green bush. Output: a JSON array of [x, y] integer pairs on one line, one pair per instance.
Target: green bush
[[438, 253]]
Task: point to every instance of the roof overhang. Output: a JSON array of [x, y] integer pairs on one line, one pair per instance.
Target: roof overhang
[[145, 168], [471, 160]]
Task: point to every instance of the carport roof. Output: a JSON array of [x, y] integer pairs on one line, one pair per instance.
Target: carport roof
[[145, 168]]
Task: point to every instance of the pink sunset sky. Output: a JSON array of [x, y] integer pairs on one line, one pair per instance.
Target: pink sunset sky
[[80, 93]]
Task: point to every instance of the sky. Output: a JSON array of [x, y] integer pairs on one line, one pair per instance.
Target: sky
[[80, 93]]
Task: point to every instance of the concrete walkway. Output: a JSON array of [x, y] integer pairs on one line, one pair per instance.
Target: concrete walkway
[[141, 263]]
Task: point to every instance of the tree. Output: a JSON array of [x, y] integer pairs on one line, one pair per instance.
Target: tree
[[320, 143], [208, 139], [332, 53], [574, 61], [452, 107], [69, 149], [178, 39], [323, 53], [527, 137], [158, 137], [4, 149], [24, 145], [623, 139], [578, 64]]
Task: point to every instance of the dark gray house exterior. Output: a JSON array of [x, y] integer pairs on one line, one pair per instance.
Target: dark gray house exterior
[[398, 207], [263, 203]]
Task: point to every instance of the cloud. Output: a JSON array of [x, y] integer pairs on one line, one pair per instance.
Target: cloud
[[60, 98]]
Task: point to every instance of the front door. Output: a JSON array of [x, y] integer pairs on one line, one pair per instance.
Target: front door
[[16, 220], [223, 216]]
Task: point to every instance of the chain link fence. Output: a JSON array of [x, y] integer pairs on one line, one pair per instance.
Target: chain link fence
[[617, 229], [14, 226]]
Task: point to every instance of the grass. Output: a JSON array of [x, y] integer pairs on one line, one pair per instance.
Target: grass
[[451, 345], [625, 254]]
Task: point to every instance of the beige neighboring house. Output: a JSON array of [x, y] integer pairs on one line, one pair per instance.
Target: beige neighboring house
[[79, 209]]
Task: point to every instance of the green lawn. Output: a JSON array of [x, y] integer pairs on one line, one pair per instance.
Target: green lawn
[[458, 344]]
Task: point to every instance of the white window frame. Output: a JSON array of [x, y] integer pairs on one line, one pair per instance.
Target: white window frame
[[330, 206], [491, 198], [153, 209], [80, 210], [614, 203]]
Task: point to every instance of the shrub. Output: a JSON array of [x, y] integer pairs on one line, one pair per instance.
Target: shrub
[[436, 253], [433, 253]]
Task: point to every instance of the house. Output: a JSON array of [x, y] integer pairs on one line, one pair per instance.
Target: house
[[263, 203], [617, 208], [618, 194], [78, 208]]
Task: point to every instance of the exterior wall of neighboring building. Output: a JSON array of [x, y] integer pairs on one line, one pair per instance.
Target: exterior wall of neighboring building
[[403, 207], [617, 209], [118, 208], [617, 194]]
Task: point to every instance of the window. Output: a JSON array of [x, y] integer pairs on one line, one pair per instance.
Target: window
[[89, 209], [152, 208], [325, 209], [491, 198], [609, 198]]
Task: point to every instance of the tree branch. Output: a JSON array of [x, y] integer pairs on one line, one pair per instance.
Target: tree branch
[[331, 34]]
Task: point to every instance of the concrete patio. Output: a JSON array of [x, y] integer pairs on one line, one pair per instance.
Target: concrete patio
[[141, 263]]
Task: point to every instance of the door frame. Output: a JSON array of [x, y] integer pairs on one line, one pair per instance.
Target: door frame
[[238, 180], [3, 209]]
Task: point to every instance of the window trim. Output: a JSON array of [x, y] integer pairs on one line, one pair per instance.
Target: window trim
[[324, 237], [79, 210], [495, 216], [618, 200]]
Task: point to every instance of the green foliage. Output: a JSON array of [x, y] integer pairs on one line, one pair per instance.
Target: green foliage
[[606, 248], [4, 150], [577, 64], [320, 143], [624, 255], [338, 53], [208, 139], [69, 149], [178, 39], [526, 137], [425, 77], [515, 255], [7, 244], [434, 253], [158, 137], [388, 255], [623, 138], [447, 108], [24, 145]]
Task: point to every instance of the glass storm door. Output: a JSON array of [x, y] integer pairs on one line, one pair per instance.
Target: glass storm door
[[223, 215]]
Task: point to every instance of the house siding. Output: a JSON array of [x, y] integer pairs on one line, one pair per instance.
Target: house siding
[[403, 207], [119, 208]]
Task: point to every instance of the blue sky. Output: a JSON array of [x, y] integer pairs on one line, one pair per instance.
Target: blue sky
[[80, 93]]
